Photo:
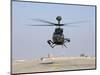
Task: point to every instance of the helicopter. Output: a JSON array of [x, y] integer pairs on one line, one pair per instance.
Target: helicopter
[[58, 36]]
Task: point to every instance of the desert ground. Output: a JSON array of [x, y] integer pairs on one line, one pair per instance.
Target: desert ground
[[52, 64]]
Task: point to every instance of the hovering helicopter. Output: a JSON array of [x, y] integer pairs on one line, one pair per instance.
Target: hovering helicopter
[[58, 36]]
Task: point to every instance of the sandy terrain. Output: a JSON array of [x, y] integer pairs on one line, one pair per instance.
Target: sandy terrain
[[53, 64]]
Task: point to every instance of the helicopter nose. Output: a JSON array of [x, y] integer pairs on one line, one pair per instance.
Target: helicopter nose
[[58, 18]]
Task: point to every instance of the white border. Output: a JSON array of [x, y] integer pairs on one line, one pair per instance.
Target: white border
[[5, 37], [88, 2]]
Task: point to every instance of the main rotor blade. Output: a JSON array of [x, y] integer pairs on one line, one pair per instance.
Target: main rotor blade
[[65, 24], [41, 25], [40, 20]]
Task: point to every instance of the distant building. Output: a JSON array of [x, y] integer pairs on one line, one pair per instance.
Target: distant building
[[82, 55]]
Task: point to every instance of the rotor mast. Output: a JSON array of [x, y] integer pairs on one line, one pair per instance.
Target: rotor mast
[[58, 18]]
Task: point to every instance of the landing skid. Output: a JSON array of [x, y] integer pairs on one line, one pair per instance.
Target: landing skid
[[52, 44]]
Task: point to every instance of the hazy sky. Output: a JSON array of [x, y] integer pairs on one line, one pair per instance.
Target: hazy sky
[[30, 42]]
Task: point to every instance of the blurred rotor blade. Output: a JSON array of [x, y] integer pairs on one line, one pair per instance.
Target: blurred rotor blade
[[40, 20], [41, 25], [65, 24], [71, 25]]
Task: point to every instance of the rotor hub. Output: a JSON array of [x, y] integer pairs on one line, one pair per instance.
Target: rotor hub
[[58, 18]]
